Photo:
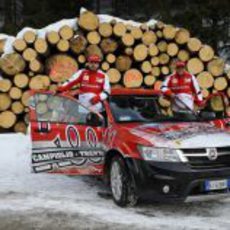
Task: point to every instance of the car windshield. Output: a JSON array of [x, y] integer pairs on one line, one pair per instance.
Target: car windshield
[[131, 108]]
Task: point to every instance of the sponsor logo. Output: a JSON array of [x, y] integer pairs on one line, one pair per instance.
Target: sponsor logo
[[212, 154]]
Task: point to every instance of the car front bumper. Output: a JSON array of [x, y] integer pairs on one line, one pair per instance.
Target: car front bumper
[[161, 181]]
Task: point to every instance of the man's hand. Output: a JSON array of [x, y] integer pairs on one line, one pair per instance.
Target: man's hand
[[95, 100], [200, 103], [169, 93]]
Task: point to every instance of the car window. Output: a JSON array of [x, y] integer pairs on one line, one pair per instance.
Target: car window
[[58, 109]]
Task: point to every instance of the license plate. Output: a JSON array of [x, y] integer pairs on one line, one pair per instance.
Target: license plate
[[212, 185]]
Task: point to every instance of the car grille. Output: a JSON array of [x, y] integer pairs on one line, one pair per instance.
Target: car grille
[[198, 158]]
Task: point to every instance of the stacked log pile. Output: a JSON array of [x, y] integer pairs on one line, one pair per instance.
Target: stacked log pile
[[133, 57]]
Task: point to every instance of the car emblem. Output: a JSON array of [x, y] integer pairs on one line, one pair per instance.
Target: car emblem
[[212, 154]]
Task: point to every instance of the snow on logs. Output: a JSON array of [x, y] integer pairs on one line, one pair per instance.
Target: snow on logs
[[133, 55]]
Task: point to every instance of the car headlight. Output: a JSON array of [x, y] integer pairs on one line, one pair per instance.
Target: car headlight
[[161, 154]]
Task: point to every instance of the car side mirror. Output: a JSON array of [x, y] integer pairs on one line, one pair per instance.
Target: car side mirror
[[93, 119], [207, 115]]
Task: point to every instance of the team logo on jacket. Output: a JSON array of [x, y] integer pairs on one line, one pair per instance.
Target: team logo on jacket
[[99, 80], [174, 81], [187, 80], [86, 77]]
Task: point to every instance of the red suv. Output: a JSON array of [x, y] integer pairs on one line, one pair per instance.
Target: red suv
[[139, 151]]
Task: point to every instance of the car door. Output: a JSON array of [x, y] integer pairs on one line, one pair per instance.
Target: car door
[[63, 141]]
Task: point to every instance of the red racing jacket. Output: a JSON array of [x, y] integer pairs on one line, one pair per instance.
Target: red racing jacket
[[185, 84], [95, 82]]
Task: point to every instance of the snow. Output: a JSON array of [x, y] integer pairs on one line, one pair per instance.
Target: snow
[[41, 33], [44, 199]]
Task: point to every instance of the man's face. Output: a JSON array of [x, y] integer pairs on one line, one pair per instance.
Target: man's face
[[93, 66], [180, 70]]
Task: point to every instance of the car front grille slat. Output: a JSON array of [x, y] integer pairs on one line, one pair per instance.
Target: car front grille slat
[[198, 158]]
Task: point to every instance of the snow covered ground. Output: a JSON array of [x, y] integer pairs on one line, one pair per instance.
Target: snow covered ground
[[41, 201]]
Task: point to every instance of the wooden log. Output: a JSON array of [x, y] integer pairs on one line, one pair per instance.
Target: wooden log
[[228, 92], [53, 37], [88, 21], [25, 98], [155, 61], [205, 93], [17, 107], [165, 70], [20, 127], [140, 52], [159, 33], [63, 45], [29, 37], [164, 58], [39, 82], [108, 45], [123, 63], [5, 85], [153, 50], [146, 67], [2, 45], [129, 51], [5, 101], [114, 75], [26, 118], [160, 25], [182, 36], [36, 66], [94, 49], [110, 58], [183, 55], [128, 39], [149, 80], [78, 44], [7, 119], [220, 83], [93, 37], [206, 53], [136, 32], [195, 66], [81, 59], [162, 46], [29, 54], [53, 87], [217, 104], [66, 32], [149, 37], [105, 29], [61, 67], [21, 80], [19, 45], [156, 71], [12, 64], [15, 93], [133, 78], [216, 67], [169, 32], [105, 66], [194, 44], [144, 27], [228, 111], [41, 46], [172, 49], [119, 29], [205, 80]]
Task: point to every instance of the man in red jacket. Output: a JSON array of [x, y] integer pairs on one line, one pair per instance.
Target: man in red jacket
[[183, 88], [94, 84]]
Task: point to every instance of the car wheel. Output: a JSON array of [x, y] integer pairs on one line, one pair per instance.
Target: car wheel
[[122, 186]]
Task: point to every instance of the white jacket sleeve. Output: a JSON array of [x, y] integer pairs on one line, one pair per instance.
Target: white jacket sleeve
[[197, 88], [106, 88], [74, 77]]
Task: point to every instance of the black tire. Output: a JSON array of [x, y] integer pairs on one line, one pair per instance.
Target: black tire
[[124, 191]]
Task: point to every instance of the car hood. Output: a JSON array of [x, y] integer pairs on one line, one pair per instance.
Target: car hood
[[180, 135]]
